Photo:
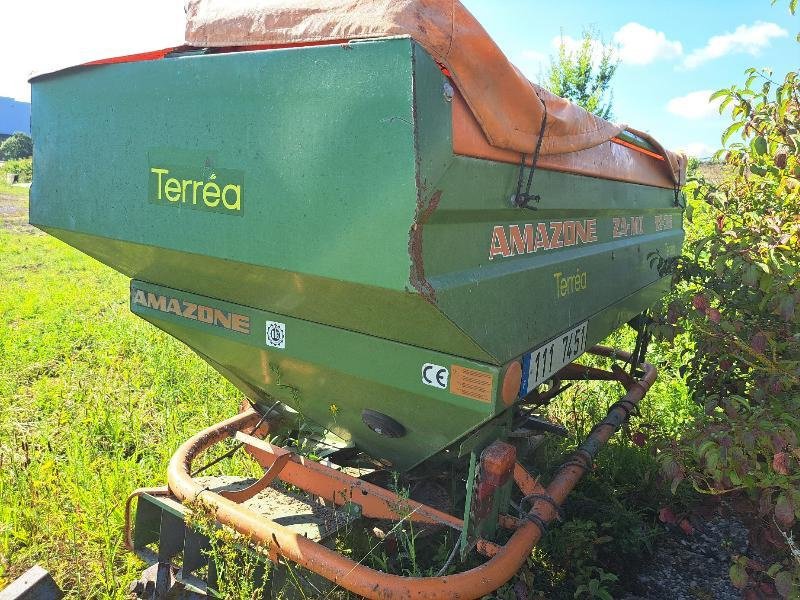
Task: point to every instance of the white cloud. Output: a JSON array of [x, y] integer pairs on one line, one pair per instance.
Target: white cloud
[[746, 39], [640, 45], [46, 35], [533, 64], [632, 44], [695, 105], [698, 150]]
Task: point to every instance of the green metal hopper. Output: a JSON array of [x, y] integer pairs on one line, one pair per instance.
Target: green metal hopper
[[299, 218]]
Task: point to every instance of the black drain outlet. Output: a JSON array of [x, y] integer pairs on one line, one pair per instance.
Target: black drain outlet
[[382, 424]]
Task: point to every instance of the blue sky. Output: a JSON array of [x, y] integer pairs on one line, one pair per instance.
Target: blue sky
[[682, 48], [672, 53]]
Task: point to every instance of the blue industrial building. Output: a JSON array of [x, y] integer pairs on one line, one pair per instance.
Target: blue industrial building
[[15, 116]]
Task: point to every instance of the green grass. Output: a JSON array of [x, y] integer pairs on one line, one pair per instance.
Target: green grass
[[12, 190], [93, 401]]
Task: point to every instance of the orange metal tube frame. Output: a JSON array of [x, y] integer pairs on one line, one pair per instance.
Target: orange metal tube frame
[[505, 560]]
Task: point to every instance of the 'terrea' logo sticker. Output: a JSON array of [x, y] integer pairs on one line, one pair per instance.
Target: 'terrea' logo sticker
[[198, 187], [435, 376]]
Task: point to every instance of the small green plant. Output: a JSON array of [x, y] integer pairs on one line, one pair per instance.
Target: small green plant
[[596, 585], [241, 568], [572, 559]]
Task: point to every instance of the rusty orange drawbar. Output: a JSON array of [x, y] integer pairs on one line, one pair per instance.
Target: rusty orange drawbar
[[326, 482]]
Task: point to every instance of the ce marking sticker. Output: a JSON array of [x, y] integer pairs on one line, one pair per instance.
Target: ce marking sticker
[[435, 376]]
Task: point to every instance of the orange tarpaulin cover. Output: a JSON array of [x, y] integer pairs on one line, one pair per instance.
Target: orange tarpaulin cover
[[508, 107]]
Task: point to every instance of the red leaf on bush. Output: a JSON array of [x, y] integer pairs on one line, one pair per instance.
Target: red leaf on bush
[[731, 409], [686, 527], [672, 315], [770, 537], [767, 588], [639, 439], [759, 343], [714, 315], [665, 515], [784, 512], [720, 222], [780, 463], [778, 442], [700, 302]]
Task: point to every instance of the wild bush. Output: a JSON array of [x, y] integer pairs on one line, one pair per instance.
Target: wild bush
[[735, 312], [17, 146], [23, 167]]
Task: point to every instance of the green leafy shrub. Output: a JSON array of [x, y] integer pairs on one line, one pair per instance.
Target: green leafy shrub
[[574, 76], [17, 146], [23, 167], [735, 312]]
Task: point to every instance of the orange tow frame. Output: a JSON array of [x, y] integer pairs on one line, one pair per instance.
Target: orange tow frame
[[332, 485]]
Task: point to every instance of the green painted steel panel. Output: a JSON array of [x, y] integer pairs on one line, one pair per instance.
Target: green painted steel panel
[[317, 299], [317, 188], [328, 374], [328, 176], [322, 140], [509, 305]]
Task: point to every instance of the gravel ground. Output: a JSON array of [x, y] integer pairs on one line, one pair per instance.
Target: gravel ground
[[693, 567]]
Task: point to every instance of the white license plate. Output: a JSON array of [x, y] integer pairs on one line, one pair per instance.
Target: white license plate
[[544, 362]]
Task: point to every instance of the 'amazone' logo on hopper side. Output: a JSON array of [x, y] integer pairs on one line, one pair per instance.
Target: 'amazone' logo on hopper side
[[218, 190], [511, 240], [189, 310]]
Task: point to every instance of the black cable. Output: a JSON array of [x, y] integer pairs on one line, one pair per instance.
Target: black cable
[[538, 521], [532, 498], [522, 200]]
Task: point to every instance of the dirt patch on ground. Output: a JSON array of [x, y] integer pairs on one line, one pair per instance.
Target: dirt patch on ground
[[14, 214]]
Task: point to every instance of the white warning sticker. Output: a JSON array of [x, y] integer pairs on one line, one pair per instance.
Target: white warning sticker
[[276, 334], [435, 376]]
